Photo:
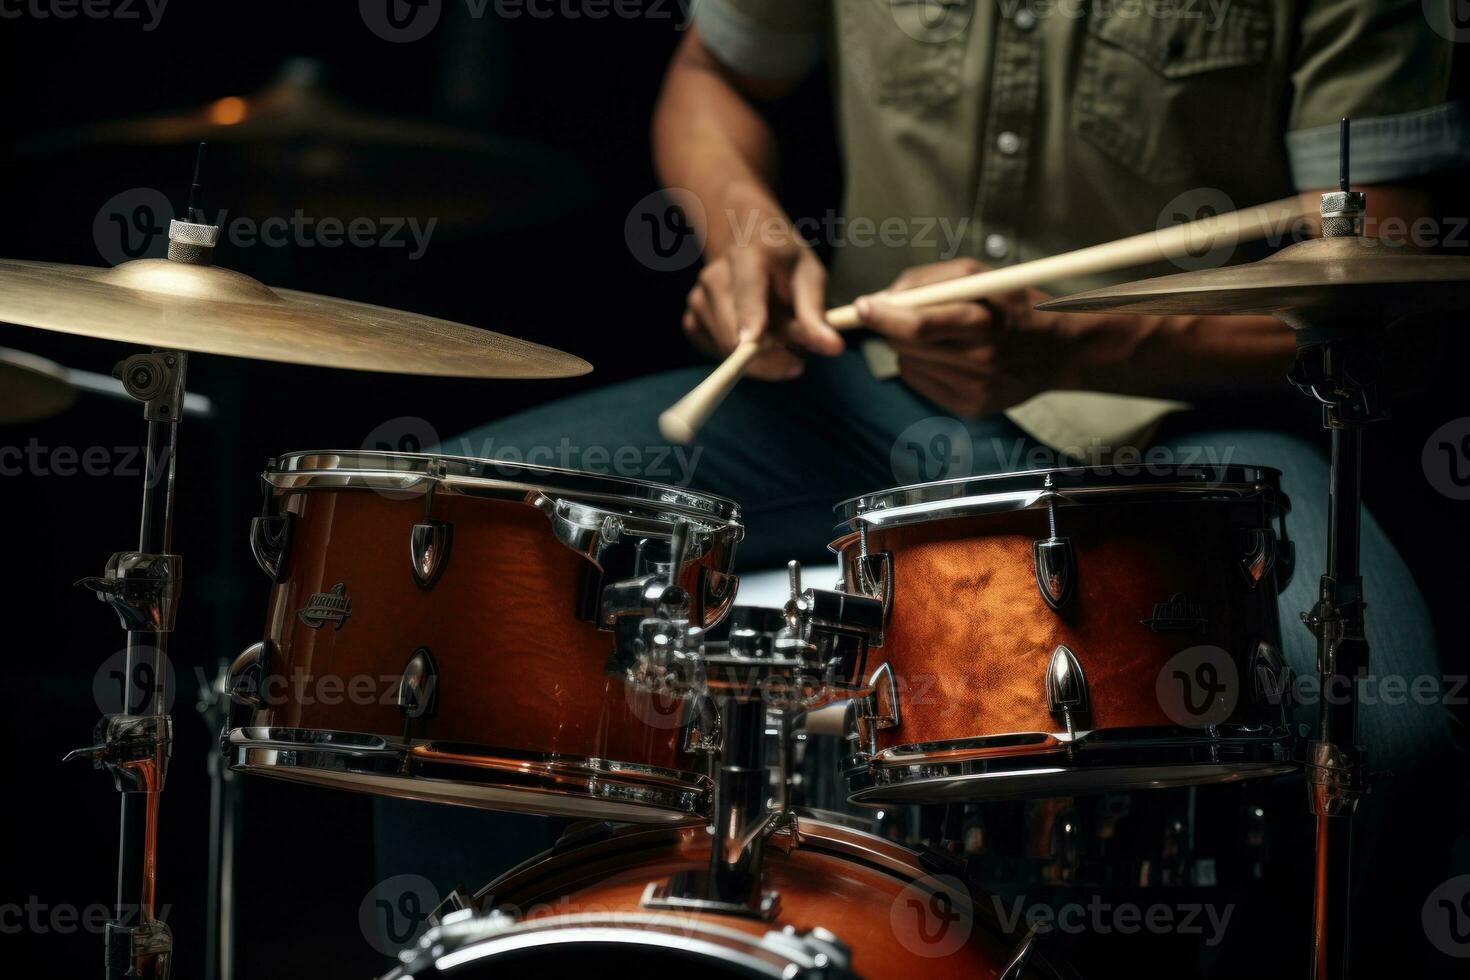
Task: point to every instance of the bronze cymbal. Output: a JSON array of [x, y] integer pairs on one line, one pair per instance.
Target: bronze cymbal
[[159, 303], [1312, 283], [32, 388]]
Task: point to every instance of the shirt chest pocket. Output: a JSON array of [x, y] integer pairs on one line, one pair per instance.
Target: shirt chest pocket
[[1178, 96], [904, 52]]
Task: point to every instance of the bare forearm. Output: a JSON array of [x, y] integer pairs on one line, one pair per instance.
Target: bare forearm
[[1180, 356], [709, 139]]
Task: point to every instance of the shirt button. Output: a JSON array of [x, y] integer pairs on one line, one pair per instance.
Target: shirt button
[[997, 246], [1025, 18], [1008, 143]]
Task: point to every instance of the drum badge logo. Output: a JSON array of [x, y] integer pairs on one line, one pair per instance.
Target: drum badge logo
[[1178, 615], [327, 607]]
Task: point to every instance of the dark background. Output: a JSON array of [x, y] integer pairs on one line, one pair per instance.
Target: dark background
[[581, 89]]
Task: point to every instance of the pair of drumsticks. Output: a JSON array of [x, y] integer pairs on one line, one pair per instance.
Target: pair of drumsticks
[[681, 421]]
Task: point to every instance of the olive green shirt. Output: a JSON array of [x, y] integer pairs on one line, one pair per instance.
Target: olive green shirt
[[1009, 130]]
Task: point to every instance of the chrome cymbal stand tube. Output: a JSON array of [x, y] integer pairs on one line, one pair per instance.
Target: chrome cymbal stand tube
[[142, 587], [1337, 366]]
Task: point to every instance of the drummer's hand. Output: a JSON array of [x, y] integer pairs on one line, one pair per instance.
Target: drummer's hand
[[774, 284], [974, 359]]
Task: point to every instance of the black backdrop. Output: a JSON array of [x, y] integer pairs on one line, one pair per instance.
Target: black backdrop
[[583, 88]]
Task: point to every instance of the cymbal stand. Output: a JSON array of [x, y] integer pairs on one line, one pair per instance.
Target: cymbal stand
[[142, 587], [1337, 365]]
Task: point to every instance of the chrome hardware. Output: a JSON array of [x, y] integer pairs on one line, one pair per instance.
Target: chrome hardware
[[144, 951], [333, 606], [874, 573], [1271, 678], [1053, 558], [428, 551], [458, 900], [157, 380], [1016, 966], [1178, 615], [142, 589], [134, 748], [877, 707], [691, 891], [1257, 558], [418, 686], [1066, 688], [702, 730], [270, 542], [1334, 783], [246, 675]]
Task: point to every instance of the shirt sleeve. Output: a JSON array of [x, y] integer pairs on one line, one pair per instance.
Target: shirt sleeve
[[770, 39], [1386, 64]]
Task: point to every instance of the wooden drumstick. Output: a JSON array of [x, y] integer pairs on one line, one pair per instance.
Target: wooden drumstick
[[682, 420]]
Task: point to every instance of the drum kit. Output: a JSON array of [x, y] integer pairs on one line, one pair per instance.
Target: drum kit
[[565, 643]]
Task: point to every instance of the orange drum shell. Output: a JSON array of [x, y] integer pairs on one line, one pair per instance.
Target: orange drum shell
[[817, 888], [516, 668], [969, 635]]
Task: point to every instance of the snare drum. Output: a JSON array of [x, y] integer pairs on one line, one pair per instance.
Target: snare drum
[[437, 629], [1070, 631], [847, 904]]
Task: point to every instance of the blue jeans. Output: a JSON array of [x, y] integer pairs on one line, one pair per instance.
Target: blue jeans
[[788, 452]]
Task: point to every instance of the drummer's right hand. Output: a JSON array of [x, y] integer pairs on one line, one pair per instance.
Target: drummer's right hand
[[772, 284]]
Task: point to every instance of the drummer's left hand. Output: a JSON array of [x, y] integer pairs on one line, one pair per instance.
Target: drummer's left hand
[[974, 359]]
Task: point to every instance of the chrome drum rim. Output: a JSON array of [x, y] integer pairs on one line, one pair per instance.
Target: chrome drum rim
[[1037, 764], [470, 775]]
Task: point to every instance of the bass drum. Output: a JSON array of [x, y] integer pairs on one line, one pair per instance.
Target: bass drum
[[847, 905]]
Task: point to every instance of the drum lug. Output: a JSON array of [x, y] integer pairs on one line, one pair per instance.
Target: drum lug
[[1066, 688], [873, 574], [1272, 680], [1053, 559], [428, 551], [246, 676], [270, 542], [1257, 555], [877, 707], [702, 730], [418, 686]]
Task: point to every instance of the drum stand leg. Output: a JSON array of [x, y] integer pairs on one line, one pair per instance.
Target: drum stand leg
[[1336, 764], [142, 587]]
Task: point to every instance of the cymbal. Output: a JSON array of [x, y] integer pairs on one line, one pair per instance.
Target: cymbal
[[1313, 283], [32, 388], [159, 303]]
